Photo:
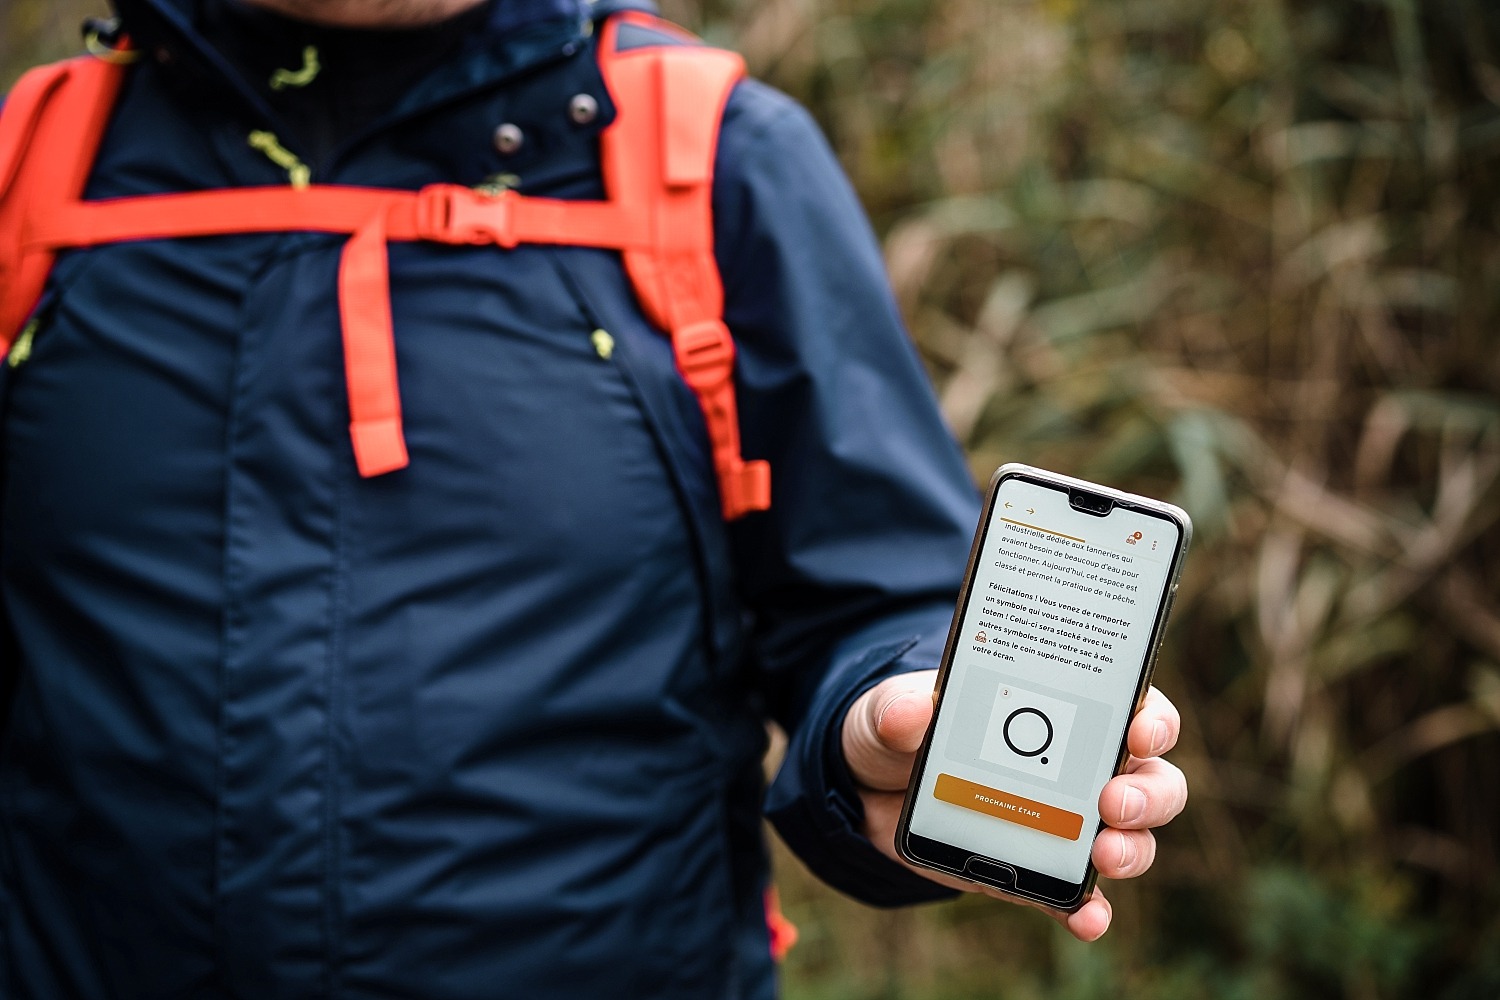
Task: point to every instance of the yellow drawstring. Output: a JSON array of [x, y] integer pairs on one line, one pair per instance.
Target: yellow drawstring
[[284, 158], [20, 351], [284, 78]]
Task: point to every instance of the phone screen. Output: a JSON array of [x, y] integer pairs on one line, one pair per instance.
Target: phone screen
[[1053, 638]]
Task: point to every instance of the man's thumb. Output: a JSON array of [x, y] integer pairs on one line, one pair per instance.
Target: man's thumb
[[885, 727]]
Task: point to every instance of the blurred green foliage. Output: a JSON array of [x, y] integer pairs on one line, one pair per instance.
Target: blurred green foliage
[[32, 31], [1242, 254]]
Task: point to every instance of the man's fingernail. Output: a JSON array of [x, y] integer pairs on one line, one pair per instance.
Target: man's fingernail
[[1158, 738], [1133, 805], [1128, 852], [890, 705]]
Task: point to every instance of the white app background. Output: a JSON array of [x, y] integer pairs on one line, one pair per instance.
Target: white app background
[[1049, 655]]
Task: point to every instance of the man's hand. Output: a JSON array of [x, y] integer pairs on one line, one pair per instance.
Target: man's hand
[[884, 729]]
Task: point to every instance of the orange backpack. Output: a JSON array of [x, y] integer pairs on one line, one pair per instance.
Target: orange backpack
[[657, 158]]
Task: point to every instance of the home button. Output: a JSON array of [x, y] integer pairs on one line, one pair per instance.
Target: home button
[[991, 871]]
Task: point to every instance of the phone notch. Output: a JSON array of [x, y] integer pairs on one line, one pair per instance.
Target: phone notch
[[1090, 503]]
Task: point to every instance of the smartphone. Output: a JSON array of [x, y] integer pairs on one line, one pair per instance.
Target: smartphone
[[1050, 653]]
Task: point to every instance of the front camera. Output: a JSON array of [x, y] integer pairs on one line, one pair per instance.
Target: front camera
[[1090, 503]]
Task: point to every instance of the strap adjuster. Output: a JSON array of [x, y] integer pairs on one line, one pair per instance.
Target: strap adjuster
[[447, 213], [705, 354], [744, 489]]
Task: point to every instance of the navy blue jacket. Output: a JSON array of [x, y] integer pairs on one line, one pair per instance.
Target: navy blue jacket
[[490, 726]]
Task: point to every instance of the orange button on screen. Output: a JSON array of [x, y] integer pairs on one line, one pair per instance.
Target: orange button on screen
[[1012, 808]]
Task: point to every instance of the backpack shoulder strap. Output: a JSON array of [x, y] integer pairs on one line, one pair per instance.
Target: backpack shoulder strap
[[670, 92], [50, 128]]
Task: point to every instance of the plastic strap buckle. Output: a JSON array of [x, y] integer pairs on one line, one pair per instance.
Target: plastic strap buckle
[[447, 213], [705, 354]]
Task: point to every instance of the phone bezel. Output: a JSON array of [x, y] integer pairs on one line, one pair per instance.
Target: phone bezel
[[967, 864]]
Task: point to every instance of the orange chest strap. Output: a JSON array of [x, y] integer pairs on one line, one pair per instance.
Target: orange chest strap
[[658, 168]]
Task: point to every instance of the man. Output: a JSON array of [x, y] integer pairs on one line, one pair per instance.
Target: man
[[489, 725]]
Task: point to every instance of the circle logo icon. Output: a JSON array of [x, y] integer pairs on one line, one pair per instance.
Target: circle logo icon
[[1028, 733]]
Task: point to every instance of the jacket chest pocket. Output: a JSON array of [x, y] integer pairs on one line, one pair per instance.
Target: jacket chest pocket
[[551, 499], [515, 385], [644, 358]]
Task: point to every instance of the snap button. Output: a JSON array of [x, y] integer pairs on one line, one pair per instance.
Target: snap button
[[583, 109], [509, 139]]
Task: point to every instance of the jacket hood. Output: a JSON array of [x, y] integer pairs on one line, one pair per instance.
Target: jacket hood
[[518, 34]]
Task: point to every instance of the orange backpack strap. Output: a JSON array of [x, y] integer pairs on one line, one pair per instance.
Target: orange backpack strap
[[658, 158], [50, 129]]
